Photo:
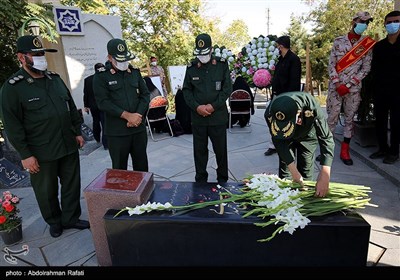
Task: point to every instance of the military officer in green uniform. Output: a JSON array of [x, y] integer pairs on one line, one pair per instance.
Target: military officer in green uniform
[[122, 95], [206, 87], [297, 125], [43, 124]]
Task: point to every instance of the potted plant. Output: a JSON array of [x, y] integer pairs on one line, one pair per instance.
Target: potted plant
[[10, 222]]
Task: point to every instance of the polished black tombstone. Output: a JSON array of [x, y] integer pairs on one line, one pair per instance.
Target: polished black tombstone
[[205, 237]]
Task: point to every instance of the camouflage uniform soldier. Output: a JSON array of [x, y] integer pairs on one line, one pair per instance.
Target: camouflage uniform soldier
[[297, 125], [43, 124], [349, 63], [206, 87]]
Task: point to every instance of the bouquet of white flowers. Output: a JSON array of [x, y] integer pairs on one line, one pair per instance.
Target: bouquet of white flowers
[[278, 201], [259, 53]]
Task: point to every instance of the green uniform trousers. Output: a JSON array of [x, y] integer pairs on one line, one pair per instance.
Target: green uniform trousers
[[304, 154], [120, 147], [217, 135], [66, 171]]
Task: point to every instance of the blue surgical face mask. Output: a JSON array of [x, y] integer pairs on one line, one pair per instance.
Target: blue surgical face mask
[[392, 28], [360, 28]]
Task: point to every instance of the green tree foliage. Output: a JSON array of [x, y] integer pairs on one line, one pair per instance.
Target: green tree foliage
[[234, 38], [298, 40], [88, 6], [162, 28], [11, 16]]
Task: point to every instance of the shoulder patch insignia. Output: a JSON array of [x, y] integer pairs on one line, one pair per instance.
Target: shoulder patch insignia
[[15, 79], [52, 73], [101, 69]]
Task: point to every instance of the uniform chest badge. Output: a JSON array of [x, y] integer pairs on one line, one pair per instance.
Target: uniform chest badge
[[308, 113], [195, 78], [110, 83]]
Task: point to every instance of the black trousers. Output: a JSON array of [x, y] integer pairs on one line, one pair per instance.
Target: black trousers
[[217, 135], [98, 126], [388, 106]]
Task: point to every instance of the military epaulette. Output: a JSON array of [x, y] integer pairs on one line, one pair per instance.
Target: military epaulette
[[52, 73], [15, 79], [191, 63]]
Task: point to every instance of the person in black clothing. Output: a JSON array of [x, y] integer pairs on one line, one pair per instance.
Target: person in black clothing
[[89, 104], [287, 75], [183, 112], [240, 83], [385, 78]]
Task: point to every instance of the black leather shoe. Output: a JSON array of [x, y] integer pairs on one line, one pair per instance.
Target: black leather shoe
[[56, 230], [270, 151], [80, 224], [378, 154], [390, 159]]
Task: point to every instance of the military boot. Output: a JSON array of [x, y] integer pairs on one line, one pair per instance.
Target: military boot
[[345, 154]]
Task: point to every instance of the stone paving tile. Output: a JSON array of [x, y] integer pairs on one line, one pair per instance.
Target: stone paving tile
[[34, 257], [91, 262], [375, 252], [390, 258], [69, 249], [385, 239], [85, 260]]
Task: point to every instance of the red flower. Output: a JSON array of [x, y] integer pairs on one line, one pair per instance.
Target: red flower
[[8, 211], [3, 219], [9, 208]]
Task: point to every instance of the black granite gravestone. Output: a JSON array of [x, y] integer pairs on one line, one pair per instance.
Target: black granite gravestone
[[11, 175], [207, 237]]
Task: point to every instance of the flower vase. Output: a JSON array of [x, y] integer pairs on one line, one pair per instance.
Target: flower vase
[[12, 236]]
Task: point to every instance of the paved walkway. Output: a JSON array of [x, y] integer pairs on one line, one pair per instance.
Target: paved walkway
[[172, 159]]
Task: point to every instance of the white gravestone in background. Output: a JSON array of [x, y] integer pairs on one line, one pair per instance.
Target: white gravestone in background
[[83, 51], [176, 77]]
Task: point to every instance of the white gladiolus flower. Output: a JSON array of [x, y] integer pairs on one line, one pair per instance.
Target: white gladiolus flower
[[244, 69], [253, 41]]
